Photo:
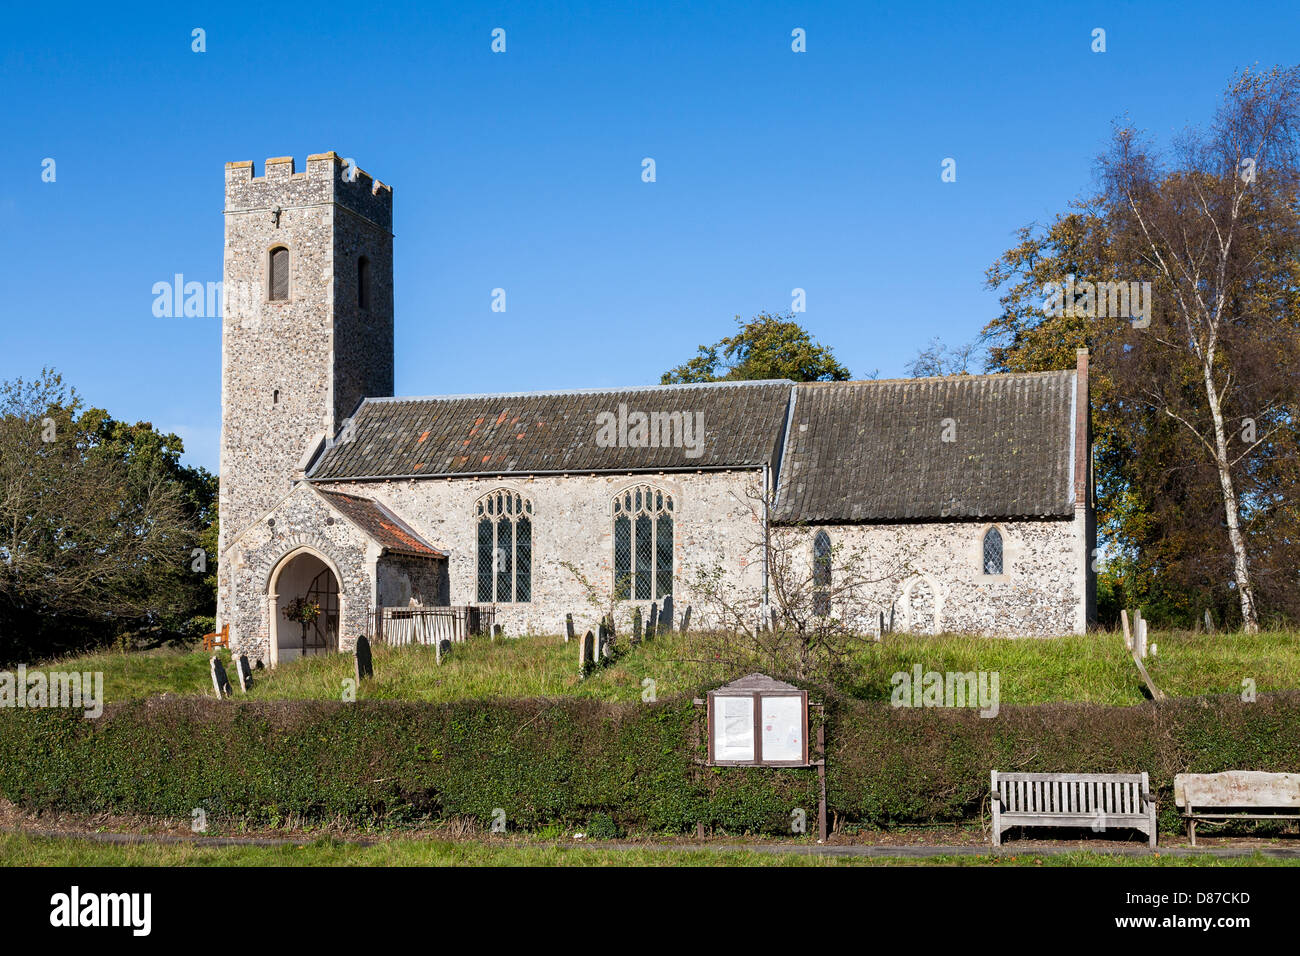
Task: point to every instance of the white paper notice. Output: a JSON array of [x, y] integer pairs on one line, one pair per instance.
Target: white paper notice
[[782, 728], [733, 728]]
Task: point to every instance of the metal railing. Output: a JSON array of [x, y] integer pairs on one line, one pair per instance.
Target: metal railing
[[431, 625]]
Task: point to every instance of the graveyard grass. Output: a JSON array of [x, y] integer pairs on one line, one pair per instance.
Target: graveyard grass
[[1092, 668], [23, 850]]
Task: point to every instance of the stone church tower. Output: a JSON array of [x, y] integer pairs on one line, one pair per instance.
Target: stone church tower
[[307, 329]]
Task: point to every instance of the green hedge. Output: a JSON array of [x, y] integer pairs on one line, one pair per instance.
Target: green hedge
[[573, 761]]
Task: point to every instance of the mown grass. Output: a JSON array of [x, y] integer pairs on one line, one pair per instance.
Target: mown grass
[[23, 850], [1091, 668]]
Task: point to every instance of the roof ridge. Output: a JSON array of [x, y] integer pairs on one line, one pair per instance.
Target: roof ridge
[[596, 390], [969, 377]]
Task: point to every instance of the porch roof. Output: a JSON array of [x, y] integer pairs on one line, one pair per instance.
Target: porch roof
[[390, 531]]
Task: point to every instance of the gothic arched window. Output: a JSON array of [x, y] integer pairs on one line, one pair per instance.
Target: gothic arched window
[[822, 574], [505, 547], [992, 551], [278, 287], [643, 544], [363, 283]]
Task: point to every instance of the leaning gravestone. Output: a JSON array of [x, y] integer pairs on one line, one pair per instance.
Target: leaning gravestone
[[586, 653], [568, 628], [666, 618], [636, 625], [652, 625], [220, 682], [245, 674], [365, 665], [686, 619]]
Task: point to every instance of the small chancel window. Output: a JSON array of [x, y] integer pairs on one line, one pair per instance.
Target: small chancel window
[[275, 396], [822, 574], [363, 283], [993, 551], [279, 285]]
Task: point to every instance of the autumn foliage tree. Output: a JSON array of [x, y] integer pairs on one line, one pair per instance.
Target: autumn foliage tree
[[1196, 403]]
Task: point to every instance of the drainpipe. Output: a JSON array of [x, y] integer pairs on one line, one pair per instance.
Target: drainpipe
[[766, 539]]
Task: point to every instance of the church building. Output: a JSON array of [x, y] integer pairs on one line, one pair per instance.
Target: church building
[[961, 503]]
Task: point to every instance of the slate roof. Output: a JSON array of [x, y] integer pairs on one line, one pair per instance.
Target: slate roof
[[552, 432], [390, 531], [873, 451]]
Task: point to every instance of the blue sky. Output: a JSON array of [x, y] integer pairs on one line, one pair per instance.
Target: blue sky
[[775, 170]]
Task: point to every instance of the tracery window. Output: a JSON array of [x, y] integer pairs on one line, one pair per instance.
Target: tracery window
[[643, 544], [505, 547]]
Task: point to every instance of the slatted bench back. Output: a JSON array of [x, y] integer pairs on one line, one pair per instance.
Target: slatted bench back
[[1070, 793]]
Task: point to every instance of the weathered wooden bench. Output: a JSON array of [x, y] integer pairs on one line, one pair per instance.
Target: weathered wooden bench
[[1096, 800], [1234, 794], [217, 639]]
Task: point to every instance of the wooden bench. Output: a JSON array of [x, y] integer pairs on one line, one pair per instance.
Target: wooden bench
[[217, 639], [1234, 794], [1096, 800]]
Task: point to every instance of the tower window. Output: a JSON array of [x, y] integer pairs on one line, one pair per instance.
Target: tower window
[[992, 551], [275, 396], [363, 283], [279, 285]]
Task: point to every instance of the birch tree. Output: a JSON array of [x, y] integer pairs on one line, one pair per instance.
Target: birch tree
[[1215, 231]]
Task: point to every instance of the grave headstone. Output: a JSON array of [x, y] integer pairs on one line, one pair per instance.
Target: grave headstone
[[686, 619], [666, 618], [586, 653], [652, 625], [1209, 622], [568, 628], [220, 682], [891, 619], [245, 674], [636, 625], [364, 665], [880, 631]]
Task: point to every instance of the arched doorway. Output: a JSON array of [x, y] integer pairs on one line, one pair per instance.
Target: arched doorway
[[303, 576]]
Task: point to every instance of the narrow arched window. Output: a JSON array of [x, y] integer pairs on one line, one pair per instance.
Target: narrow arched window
[[363, 283], [822, 574], [993, 551], [643, 544], [279, 284], [505, 547]]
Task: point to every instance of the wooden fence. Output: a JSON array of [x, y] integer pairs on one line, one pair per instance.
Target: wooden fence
[[430, 625]]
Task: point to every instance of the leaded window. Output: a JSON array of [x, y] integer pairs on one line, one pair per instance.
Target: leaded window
[[993, 551], [505, 547], [643, 544], [822, 574]]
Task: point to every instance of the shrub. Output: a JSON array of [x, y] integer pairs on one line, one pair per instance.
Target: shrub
[[579, 763]]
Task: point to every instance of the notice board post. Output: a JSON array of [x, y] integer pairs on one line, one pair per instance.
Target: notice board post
[[758, 721]]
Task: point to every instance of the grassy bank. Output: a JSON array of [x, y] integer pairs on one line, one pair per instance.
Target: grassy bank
[[1091, 668]]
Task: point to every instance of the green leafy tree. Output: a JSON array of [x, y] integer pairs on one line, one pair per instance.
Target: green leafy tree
[[101, 526], [767, 346]]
